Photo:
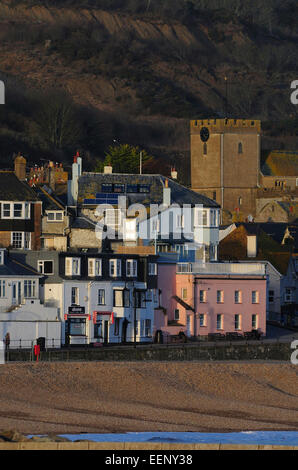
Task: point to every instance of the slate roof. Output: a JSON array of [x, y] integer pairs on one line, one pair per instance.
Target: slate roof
[[275, 230], [83, 223], [12, 267], [91, 183], [12, 189], [50, 202]]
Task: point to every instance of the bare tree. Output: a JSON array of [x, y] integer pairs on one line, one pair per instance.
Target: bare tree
[[58, 121]]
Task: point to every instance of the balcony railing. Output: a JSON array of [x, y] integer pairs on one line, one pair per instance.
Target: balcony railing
[[244, 269]]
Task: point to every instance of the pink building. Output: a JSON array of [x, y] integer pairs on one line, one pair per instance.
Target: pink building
[[215, 298]]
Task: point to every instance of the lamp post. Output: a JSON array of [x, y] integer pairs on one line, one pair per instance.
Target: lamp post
[[226, 100]]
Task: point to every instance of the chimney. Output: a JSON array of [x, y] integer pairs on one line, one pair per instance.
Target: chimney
[[73, 184], [108, 169], [166, 194], [20, 167], [174, 174]]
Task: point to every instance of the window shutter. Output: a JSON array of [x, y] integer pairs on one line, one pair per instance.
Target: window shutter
[[98, 267], [90, 267], [118, 267], [68, 266]]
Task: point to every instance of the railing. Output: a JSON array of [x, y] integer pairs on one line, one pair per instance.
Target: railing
[[229, 268], [148, 341]]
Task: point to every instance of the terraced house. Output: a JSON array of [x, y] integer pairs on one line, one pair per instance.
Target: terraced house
[[20, 214], [100, 297]]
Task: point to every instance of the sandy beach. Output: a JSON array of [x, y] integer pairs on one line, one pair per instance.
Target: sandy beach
[[96, 397]]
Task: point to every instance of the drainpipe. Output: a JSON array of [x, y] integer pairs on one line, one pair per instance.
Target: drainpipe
[[195, 307], [135, 318], [222, 173]]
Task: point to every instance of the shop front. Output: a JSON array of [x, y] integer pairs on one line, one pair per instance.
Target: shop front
[[76, 326]]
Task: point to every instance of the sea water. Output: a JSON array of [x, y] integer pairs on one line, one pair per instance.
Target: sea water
[[285, 438]]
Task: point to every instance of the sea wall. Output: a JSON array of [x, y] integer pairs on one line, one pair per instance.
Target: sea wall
[[248, 351]]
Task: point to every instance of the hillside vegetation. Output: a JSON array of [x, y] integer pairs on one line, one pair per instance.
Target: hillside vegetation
[[83, 74]]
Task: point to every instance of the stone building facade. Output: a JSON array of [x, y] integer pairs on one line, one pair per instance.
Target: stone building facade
[[225, 163]]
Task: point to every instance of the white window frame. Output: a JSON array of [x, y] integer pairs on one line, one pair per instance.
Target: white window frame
[[1, 257], [30, 289], [94, 267], [237, 322], [179, 221], [147, 325], [75, 295], [155, 225], [202, 320], [219, 321], [184, 267], [25, 210], [115, 267], [152, 269], [131, 268], [55, 213], [238, 296], [72, 266], [101, 295], [24, 239], [220, 296], [255, 321], [40, 266], [255, 297], [2, 288], [203, 296], [201, 217]]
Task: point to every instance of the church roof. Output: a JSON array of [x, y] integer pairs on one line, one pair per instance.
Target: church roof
[[281, 163]]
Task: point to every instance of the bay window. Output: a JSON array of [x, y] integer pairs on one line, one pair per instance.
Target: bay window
[[29, 289]]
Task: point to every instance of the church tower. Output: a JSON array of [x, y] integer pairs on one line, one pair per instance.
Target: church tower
[[225, 164]]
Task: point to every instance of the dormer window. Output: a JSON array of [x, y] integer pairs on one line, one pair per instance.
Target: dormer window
[[131, 268], [55, 216], [94, 267], [72, 266]]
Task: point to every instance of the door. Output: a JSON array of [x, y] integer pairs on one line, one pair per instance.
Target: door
[[16, 292], [106, 332]]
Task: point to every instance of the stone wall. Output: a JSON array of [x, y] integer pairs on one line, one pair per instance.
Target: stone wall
[[242, 351]]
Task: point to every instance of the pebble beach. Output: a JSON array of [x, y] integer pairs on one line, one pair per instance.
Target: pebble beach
[[110, 397]]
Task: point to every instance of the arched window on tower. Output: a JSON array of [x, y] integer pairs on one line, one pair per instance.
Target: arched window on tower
[[240, 148], [205, 149]]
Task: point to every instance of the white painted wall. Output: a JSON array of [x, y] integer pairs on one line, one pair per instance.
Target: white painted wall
[[29, 322]]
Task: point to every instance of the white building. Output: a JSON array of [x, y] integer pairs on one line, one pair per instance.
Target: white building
[[99, 297], [22, 314]]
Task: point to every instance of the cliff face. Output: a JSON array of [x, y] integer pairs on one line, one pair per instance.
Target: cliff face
[[144, 76]]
